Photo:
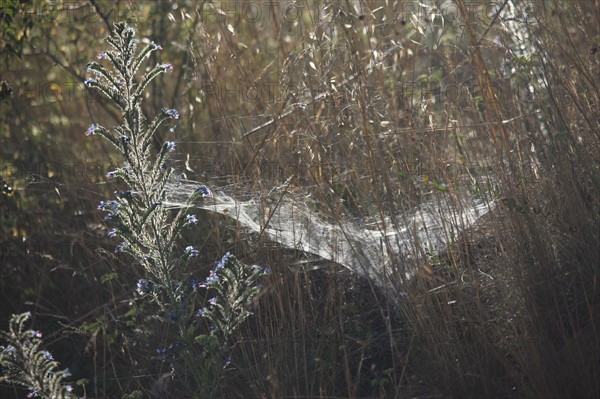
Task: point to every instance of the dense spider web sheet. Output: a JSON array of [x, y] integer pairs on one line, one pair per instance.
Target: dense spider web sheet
[[394, 244], [375, 249]]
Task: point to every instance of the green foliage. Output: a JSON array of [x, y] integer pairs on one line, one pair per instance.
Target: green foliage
[[134, 395], [17, 22]]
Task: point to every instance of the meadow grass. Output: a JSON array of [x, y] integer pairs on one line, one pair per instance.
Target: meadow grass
[[376, 107]]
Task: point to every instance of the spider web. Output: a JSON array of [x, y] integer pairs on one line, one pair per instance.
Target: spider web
[[378, 249]]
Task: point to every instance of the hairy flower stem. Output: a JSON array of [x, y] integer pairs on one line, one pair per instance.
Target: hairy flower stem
[[150, 232]]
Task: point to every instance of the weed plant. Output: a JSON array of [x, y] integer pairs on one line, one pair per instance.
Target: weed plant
[[375, 107], [149, 234], [24, 363]]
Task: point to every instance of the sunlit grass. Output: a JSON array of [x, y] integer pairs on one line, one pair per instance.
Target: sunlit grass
[[375, 108]]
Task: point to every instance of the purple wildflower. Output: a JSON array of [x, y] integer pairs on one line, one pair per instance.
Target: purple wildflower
[[37, 334], [88, 82], [90, 131], [213, 278], [203, 190], [201, 312], [170, 146], [172, 113], [189, 250], [167, 67], [112, 233], [191, 219], [102, 56], [109, 206], [223, 261], [213, 300], [161, 352], [122, 247], [143, 286], [48, 355]]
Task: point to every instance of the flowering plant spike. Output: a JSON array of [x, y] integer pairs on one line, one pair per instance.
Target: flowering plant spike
[[150, 233], [22, 362]]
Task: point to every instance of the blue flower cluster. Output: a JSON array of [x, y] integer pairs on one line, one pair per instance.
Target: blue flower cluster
[[154, 46], [203, 190], [170, 350], [91, 130], [171, 113], [122, 247], [190, 251], [169, 146], [112, 207], [224, 260], [144, 286]]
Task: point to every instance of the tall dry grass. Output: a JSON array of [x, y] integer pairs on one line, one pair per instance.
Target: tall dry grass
[[511, 309], [377, 107]]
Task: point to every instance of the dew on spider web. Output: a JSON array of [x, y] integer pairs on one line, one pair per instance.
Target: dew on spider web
[[372, 249]]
